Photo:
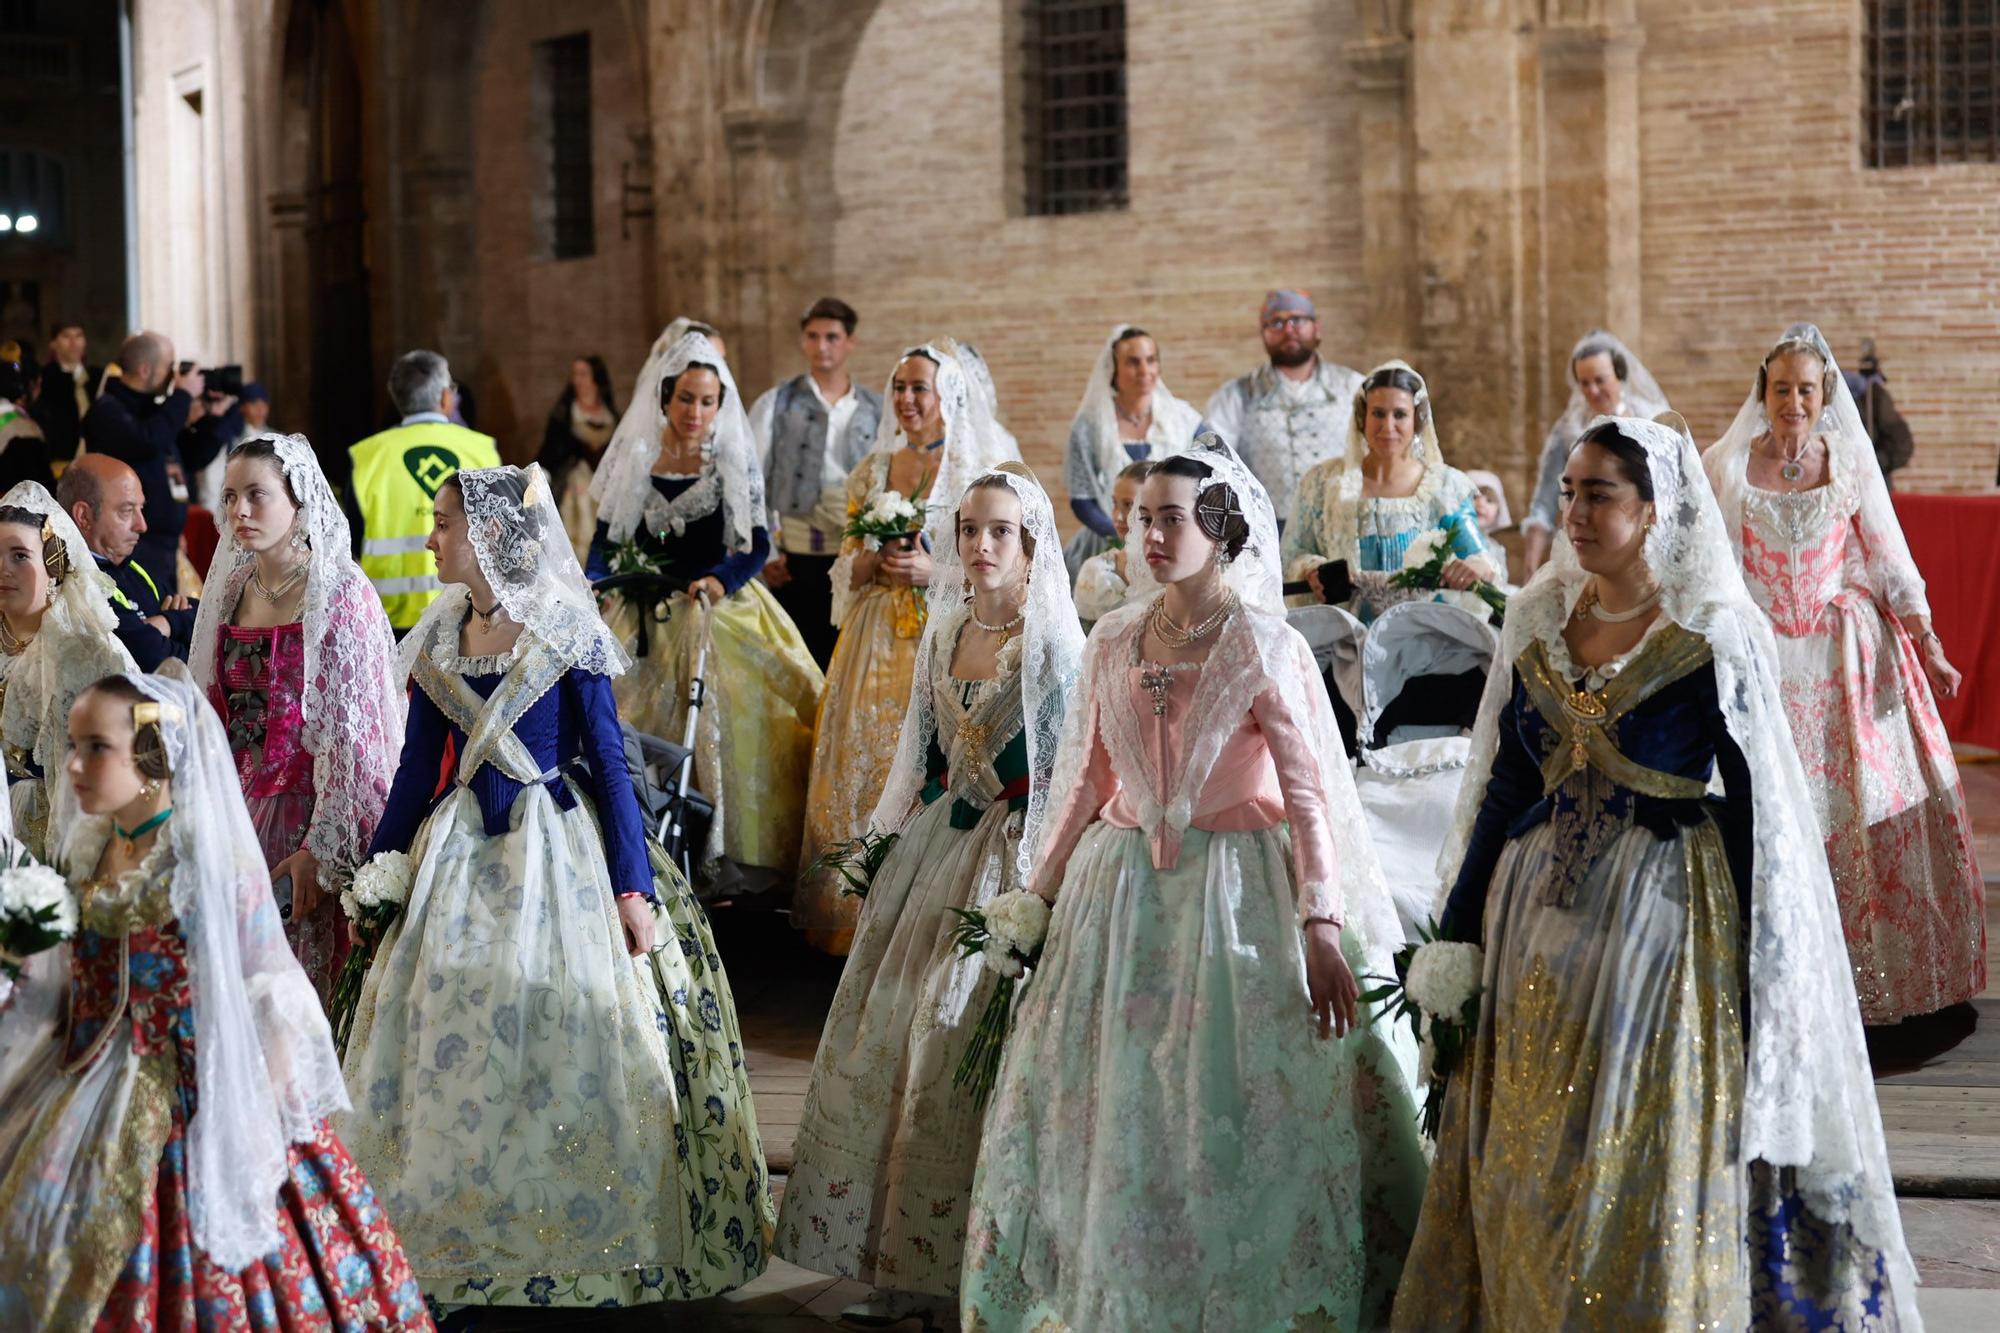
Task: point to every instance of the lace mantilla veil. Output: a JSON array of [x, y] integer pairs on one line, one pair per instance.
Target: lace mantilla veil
[[265, 1061], [1100, 408], [1051, 657], [1809, 1099], [1255, 650], [996, 443], [623, 486], [1851, 456], [1340, 507], [523, 550], [353, 704]]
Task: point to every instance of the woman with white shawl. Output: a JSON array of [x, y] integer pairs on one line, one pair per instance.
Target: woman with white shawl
[[935, 438], [1173, 1144], [1805, 505], [682, 496], [554, 1103], [57, 635], [887, 1145], [1664, 1118], [293, 650], [1128, 415], [165, 1158]]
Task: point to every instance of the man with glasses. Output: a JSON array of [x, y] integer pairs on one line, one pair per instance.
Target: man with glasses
[[396, 477], [1291, 413]]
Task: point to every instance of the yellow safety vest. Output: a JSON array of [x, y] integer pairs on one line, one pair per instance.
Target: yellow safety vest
[[396, 476]]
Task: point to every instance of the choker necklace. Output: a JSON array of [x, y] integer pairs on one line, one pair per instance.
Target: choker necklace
[[283, 590], [1002, 630], [1589, 603], [486, 616], [1176, 636], [10, 643], [131, 836]]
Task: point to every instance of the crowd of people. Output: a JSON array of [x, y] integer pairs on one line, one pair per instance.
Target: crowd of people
[[361, 992]]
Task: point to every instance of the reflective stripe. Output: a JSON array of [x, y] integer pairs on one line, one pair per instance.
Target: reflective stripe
[[394, 545], [400, 587]]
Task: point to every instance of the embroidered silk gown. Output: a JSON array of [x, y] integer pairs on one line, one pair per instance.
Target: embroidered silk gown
[[92, 1161], [1587, 1172], [553, 1121], [886, 1149], [1382, 528]]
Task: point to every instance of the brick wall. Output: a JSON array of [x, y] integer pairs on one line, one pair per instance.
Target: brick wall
[[1758, 212]]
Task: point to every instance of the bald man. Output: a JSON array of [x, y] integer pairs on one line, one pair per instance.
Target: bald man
[[134, 423], [105, 498]]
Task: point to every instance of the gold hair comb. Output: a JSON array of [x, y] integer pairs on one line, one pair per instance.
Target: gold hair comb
[[153, 712]]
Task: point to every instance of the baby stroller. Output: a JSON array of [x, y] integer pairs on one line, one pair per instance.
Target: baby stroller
[[1336, 637]]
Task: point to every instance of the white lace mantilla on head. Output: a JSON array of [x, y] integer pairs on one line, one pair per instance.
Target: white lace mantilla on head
[[1051, 658], [1809, 1098], [731, 474], [1255, 575], [523, 550], [264, 1058], [1174, 420], [352, 706], [1855, 473]]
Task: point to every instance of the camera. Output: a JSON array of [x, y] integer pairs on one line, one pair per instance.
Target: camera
[[221, 381]]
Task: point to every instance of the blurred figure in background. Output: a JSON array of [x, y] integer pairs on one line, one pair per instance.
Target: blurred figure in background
[[24, 452], [573, 440], [70, 384]]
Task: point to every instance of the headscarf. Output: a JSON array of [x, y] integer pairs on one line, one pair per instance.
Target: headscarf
[[731, 473], [1097, 413], [1809, 1098], [1051, 656], [352, 705]]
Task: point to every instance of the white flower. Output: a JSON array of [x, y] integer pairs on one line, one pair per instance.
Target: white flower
[[28, 890], [889, 507], [350, 904], [1019, 920], [6, 988], [1423, 548], [1001, 958], [1443, 976], [384, 881]]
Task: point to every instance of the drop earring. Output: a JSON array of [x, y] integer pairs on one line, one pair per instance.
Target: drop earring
[[298, 538]]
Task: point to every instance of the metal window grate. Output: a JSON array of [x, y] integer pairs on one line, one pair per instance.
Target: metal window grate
[[1074, 124], [1933, 71], [565, 63]]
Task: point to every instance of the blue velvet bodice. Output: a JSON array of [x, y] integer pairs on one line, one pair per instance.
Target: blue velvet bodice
[[698, 552]]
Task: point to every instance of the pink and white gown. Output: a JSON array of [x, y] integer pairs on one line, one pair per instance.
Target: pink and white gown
[[1170, 1147], [1876, 757]]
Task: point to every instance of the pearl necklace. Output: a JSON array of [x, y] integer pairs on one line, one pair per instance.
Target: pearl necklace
[[1002, 630], [1177, 636], [1589, 603]]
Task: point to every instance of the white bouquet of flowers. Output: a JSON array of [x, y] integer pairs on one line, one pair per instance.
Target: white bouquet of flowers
[[372, 900], [887, 517], [1424, 560], [36, 913], [1008, 935], [1437, 987]]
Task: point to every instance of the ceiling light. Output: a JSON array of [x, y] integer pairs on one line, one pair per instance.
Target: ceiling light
[[26, 223]]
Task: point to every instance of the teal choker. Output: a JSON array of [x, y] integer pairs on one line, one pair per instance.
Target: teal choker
[[132, 836]]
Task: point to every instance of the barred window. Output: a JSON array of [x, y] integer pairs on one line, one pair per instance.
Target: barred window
[[1073, 67], [1933, 71], [563, 64]]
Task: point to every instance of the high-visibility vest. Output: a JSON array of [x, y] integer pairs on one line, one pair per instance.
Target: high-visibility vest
[[396, 477]]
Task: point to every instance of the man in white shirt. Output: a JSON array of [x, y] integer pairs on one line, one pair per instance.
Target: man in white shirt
[[1291, 413], [811, 432]]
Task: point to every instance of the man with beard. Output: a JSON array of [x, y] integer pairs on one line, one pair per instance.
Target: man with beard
[[1290, 414]]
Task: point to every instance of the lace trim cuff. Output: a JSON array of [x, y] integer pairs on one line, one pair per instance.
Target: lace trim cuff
[[1320, 897]]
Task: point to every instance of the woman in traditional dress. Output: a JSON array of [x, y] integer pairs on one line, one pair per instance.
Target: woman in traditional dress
[[1664, 1119], [687, 490], [1168, 1146], [573, 443], [1354, 516], [56, 637], [294, 651], [553, 1098], [932, 442], [1804, 502], [1127, 416], [1105, 581], [165, 1160], [886, 1148]]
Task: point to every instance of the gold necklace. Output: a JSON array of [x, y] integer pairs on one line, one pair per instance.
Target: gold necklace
[[11, 644], [1177, 636], [276, 596]]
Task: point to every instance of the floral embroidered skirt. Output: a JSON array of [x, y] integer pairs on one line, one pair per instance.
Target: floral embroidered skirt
[[886, 1147], [319, 941], [1170, 1147], [550, 1121], [860, 720], [1587, 1173]]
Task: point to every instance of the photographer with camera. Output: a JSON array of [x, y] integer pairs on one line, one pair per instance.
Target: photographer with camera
[[162, 421]]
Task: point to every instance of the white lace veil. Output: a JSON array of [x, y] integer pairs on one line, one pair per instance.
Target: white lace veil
[[1854, 469], [1642, 395], [1255, 574], [1340, 500], [353, 703], [265, 1061], [82, 605], [996, 443], [523, 550], [1051, 657], [970, 446], [1099, 412], [1809, 1099], [623, 486], [1424, 445]]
